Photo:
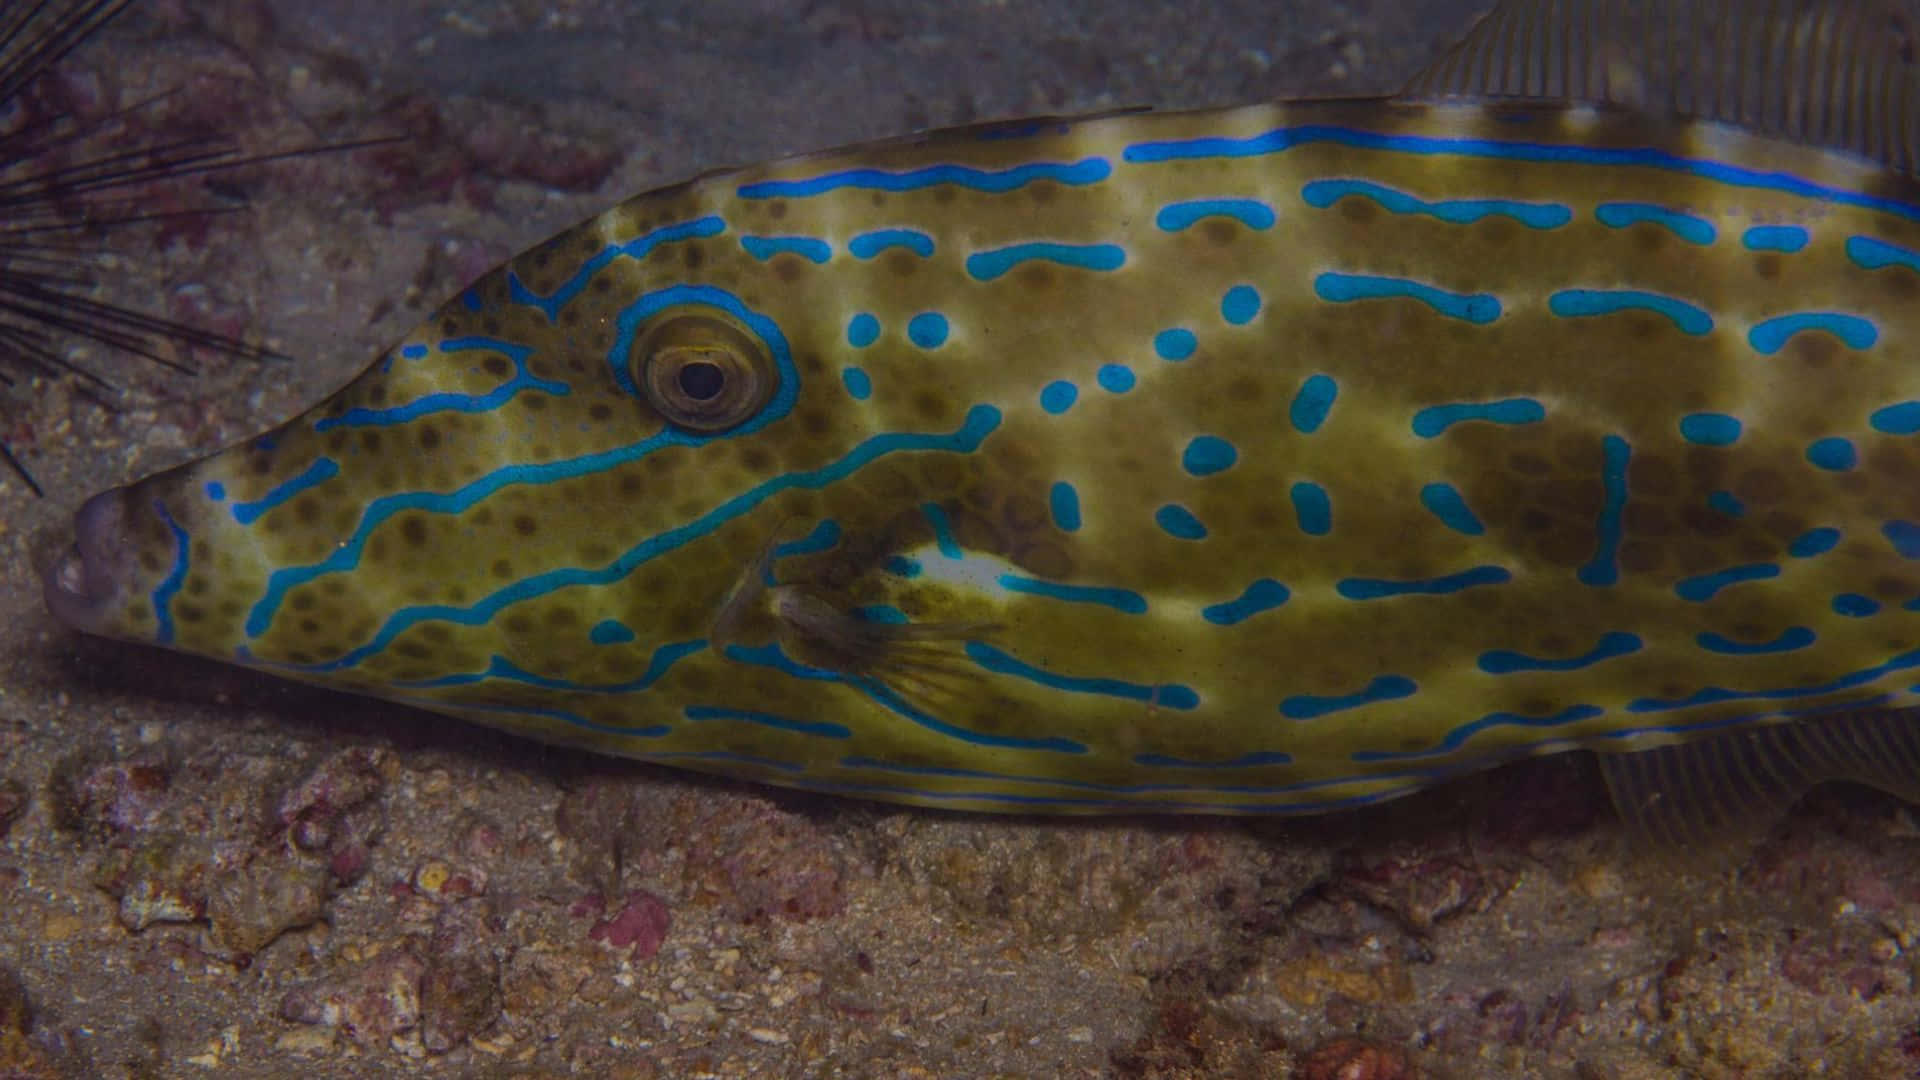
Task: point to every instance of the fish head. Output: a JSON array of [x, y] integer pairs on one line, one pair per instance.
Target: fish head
[[629, 478]]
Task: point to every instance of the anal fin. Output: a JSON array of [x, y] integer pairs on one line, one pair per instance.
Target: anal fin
[[1733, 786]]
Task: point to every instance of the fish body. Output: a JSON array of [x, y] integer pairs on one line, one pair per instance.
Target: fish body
[[1269, 459]]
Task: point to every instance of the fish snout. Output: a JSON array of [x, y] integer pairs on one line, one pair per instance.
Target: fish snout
[[89, 580]]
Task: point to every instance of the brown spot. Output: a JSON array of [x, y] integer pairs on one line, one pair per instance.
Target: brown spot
[[1641, 557], [929, 405], [413, 529], [429, 437], [630, 484], [815, 421], [1527, 464], [756, 459], [1219, 233], [1038, 276], [1646, 518], [518, 623], [502, 568], [1707, 521], [600, 412], [1784, 525], [777, 209], [307, 509], [1357, 210], [496, 366], [1760, 486], [693, 256], [788, 267], [1651, 474], [1767, 266], [525, 525]]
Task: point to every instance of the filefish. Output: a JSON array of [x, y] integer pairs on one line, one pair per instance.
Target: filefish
[[1270, 459]]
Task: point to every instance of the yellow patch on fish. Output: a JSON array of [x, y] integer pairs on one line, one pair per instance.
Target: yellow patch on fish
[[1268, 459]]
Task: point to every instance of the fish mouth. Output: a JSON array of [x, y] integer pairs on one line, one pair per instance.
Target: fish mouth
[[86, 583]]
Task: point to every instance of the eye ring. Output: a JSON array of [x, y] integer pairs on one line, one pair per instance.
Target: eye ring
[[702, 370]]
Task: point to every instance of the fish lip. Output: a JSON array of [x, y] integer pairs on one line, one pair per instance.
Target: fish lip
[[87, 580]]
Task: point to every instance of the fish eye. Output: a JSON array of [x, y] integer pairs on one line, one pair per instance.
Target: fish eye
[[703, 371]]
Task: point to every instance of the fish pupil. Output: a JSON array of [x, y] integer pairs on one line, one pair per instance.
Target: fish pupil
[[702, 381]]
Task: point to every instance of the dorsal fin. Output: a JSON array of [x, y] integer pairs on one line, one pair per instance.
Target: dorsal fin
[[1698, 794], [1838, 74]]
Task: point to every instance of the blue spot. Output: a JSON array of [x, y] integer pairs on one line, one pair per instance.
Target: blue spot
[[1175, 344], [1602, 568], [1064, 502], [1688, 227], [1787, 238], [1833, 454], [1174, 217], [1263, 595], [1701, 587], [216, 491], [807, 247], [936, 516], [1855, 606], [1434, 419], [1769, 336], [1058, 396], [321, 471], [1240, 305], [1580, 303], [1382, 688], [869, 244], [1171, 695], [1613, 643], [1726, 502], [858, 384], [1089, 171], [1123, 600], [1904, 536], [1312, 402], [414, 352], [1871, 254], [862, 330], [901, 566], [1793, 637], [1115, 378], [1178, 522], [471, 299], [1324, 193], [1312, 508], [1380, 588], [1814, 542], [882, 613], [610, 632], [779, 723], [1444, 502], [1710, 429], [1476, 308], [928, 330], [1208, 454], [988, 265], [1901, 419]]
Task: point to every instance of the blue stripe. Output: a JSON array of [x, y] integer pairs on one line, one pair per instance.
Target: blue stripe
[[1434, 419], [1702, 587], [1872, 254], [1444, 502], [1689, 227], [988, 265], [766, 247], [1170, 695], [1769, 336], [778, 723], [1582, 303], [1263, 595], [1286, 138], [1338, 288], [1380, 588], [1088, 171], [176, 577], [448, 402], [1603, 568], [1174, 217], [1783, 238], [500, 668], [1793, 637], [638, 248], [936, 516], [1312, 508], [321, 471], [1381, 688], [1612, 643], [869, 244], [1324, 193], [1312, 402], [1124, 600], [1457, 737]]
